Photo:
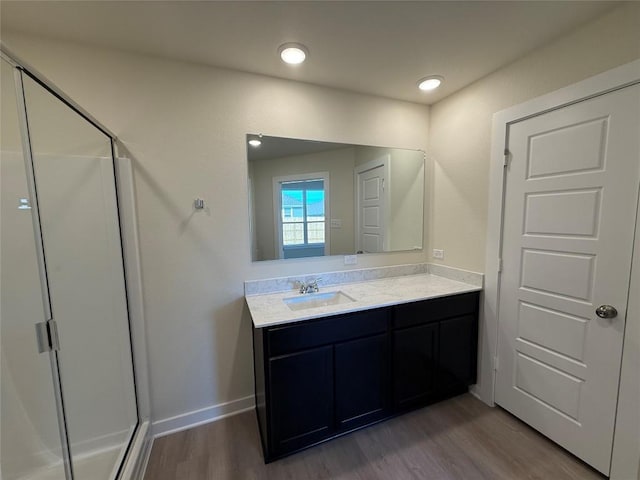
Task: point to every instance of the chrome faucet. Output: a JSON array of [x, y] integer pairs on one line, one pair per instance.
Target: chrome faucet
[[309, 287]]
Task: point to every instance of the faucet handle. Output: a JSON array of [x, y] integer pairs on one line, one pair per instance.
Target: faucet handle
[[310, 286]]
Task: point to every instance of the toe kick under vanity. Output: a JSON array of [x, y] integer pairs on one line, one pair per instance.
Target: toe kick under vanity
[[358, 352]]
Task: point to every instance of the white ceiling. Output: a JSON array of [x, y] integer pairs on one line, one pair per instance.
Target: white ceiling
[[378, 47]]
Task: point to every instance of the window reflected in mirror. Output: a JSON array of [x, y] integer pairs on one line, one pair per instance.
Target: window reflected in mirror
[[302, 229]]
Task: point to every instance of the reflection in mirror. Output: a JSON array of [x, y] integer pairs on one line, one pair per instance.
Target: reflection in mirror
[[310, 198]]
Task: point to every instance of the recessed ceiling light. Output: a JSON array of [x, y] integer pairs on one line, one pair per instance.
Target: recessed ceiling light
[[430, 83], [293, 53], [254, 142]]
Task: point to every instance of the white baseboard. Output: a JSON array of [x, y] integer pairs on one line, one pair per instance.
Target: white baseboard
[[473, 390], [192, 419]]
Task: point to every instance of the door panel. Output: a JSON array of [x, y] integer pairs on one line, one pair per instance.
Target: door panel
[[560, 273], [556, 330], [371, 209], [569, 216], [562, 213], [552, 386], [571, 148]]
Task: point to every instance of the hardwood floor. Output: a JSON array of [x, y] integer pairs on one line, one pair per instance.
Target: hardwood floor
[[460, 438]]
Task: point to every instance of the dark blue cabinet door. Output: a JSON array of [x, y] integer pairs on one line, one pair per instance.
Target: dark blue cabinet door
[[301, 403], [458, 345], [414, 365], [361, 381]]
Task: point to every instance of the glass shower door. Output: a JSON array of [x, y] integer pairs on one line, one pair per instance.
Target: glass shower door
[[75, 184], [30, 445]]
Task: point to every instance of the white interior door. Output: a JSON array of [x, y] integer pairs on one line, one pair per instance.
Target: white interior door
[[371, 205], [569, 220]]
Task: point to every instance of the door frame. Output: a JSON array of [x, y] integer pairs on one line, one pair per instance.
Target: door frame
[[597, 85], [385, 162]]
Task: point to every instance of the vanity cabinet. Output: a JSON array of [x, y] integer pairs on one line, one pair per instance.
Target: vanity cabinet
[[435, 349], [318, 379]]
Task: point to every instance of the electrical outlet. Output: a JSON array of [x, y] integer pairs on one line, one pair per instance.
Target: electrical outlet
[[438, 253], [350, 259]]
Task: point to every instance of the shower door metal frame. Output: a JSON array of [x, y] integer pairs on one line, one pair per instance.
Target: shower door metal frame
[[42, 269], [21, 69]]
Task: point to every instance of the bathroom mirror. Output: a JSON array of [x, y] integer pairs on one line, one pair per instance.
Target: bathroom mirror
[[309, 198]]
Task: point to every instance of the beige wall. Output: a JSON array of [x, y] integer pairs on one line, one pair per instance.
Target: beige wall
[[185, 125], [407, 200], [339, 163], [460, 133]]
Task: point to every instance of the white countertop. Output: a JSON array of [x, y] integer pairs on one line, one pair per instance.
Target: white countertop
[[270, 309]]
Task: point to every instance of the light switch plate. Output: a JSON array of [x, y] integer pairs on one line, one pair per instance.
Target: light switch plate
[[336, 223], [438, 253], [350, 259]]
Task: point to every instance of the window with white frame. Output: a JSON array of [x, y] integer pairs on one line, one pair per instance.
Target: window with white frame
[[302, 212]]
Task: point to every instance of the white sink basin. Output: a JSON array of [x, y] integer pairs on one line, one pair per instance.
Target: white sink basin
[[315, 300]]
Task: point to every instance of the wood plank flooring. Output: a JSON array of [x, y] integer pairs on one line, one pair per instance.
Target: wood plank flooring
[[460, 438]]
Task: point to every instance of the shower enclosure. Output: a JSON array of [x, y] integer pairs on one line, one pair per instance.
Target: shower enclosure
[[68, 395]]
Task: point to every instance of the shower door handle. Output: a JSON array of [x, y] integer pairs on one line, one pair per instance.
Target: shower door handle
[[47, 336]]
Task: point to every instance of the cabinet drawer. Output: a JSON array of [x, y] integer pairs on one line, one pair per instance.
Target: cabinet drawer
[[314, 333], [426, 311]]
